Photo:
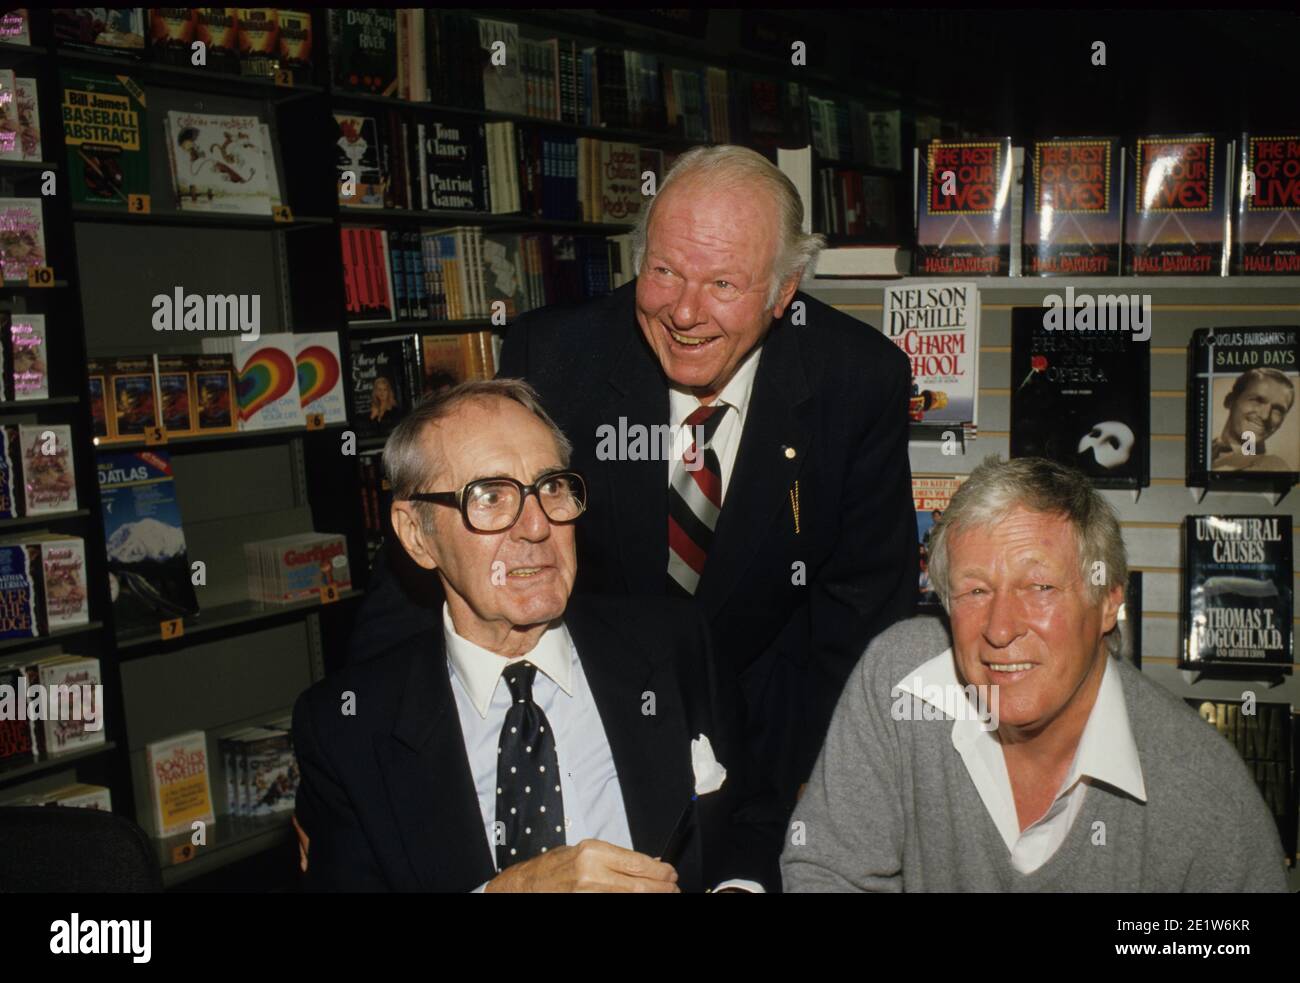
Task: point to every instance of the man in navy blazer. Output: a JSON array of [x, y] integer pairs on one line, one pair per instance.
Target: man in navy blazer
[[421, 771], [797, 537]]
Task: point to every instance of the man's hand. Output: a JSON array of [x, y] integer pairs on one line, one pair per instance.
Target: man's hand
[[592, 865], [303, 844]]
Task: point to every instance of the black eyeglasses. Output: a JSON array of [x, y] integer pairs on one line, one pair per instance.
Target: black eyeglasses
[[495, 504]]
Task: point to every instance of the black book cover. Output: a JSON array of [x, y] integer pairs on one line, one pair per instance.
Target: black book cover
[[1264, 735], [1081, 397], [1267, 241], [455, 157], [963, 209], [382, 392], [1073, 207], [1238, 591], [363, 50], [1176, 216], [1241, 393]]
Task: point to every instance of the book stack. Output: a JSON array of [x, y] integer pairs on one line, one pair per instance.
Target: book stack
[[37, 474], [297, 568], [20, 118], [185, 395], [70, 714], [47, 591], [261, 770]]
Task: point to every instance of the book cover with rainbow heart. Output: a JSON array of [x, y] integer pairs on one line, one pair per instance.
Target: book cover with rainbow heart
[[268, 383], [320, 378]]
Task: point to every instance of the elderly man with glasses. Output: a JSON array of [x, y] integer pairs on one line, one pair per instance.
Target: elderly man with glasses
[[530, 742]]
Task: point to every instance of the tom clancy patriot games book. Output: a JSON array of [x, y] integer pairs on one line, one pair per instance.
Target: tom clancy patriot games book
[[963, 208], [1264, 735], [937, 326], [1267, 240], [1081, 396], [1073, 207], [1243, 428], [108, 145], [1237, 592], [1177, 214]]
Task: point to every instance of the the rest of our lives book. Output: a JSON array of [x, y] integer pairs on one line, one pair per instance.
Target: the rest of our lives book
[[1243, 429], [1238, 593], [1081, 395], [148, 565], [1074, 212], [1178, 213], [1267, 238], [963, 208]]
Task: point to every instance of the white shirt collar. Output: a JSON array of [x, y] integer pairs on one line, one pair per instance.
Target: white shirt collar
[[1107, 751], [735, 393], [479, 670]]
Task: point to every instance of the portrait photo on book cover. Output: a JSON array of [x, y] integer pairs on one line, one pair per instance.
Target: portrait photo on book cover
[[1253, 425]]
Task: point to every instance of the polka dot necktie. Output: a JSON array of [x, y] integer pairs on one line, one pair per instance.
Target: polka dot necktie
[[530, 808]]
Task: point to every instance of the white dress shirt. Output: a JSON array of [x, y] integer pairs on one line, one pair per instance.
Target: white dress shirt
[[593, 799], [726, 439], [1106, 753]]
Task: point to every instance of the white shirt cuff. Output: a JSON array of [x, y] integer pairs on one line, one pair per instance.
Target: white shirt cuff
[[752, 887], [480, 889]]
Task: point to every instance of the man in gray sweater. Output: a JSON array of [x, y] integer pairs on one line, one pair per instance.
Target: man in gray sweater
[[1020, 754]]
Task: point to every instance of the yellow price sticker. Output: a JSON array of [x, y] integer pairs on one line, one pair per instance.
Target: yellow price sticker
[[329, 594], [154, 435], [173, 628], [138, 204], [315, 421], [183, 853], [40, 276], [284, 77], [282, 213]]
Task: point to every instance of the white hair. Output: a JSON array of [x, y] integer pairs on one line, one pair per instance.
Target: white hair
[[729, 165]]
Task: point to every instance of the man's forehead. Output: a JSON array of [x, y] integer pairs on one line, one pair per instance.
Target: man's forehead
[[488, 434], [1023, 536]]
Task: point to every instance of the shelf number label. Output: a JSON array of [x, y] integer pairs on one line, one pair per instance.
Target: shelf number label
[[284, 77], [154, 435], [40, 276], [183, 853], [282, 213], [329, 594], [173, 628], [315, 421], [139, 204]]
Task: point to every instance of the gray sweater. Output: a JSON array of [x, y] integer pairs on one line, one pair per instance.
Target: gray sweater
[[891, 807]]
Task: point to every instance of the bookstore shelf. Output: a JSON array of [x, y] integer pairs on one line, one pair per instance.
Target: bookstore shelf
[[239, 615], [42, 519], [221, 441], [230, 838], [93, 213], [351, 215], [58, 635], [432, 326], [29, 165], [25, 288], [14, 407], [676, 140], [207, 80], [29, 769]]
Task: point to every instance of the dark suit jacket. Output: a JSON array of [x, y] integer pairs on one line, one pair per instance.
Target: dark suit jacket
[[833, 389], [388, 801]]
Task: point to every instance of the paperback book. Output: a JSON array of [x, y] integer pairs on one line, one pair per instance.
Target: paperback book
[[22, 238], [49, 479], [108, 142], [320, 376], [180, 788], [219, 163]]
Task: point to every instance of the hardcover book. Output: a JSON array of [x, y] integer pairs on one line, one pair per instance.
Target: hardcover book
[[930, 497], [259, 41], [268, 383], [1264, 736], [1081, 397], [1268, 205], [382, 388], [296, 43], [1237, 592], [367, 274], [1241, 393], [118, 30], [171, 32], [937, 326], [358, 159], [22, 238], [49, 477], [363, 50], [179, 784], [453, 159], [218, 29], [1074, 207], [963, 208], [148, 567], [108, 143], [1177, 214], [10, 472], [17, 593], [15, 734], [320, 375], [219, 163]]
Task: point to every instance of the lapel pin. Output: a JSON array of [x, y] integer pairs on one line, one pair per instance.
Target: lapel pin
[[790, 453]]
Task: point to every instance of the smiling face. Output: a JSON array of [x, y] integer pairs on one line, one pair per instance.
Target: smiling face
[[702, 291], [1024, 619], [1260, 408], [488, 438]]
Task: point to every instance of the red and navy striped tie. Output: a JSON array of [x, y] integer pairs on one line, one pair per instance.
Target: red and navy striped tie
[[694, 502]]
